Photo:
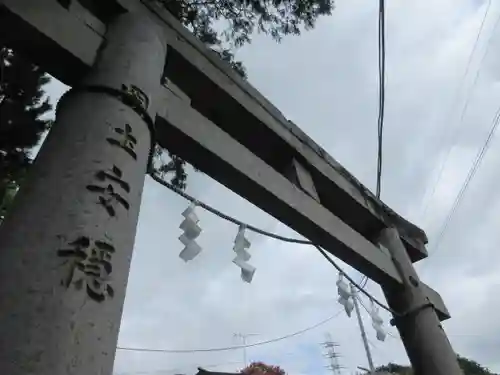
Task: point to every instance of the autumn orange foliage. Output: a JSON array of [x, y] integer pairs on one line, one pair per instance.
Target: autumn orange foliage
[[259, 368]]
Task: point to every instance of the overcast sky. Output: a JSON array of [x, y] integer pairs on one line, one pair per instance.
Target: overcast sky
[[326, 82]]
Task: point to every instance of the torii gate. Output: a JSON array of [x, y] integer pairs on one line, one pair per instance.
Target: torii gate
[[140, 77]]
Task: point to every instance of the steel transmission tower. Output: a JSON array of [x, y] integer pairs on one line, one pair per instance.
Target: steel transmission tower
[[332, 355]]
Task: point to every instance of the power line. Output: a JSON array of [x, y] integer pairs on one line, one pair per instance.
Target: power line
[[235, 347], [466, 104], [381, 104], [364, 281], [470, 176], [264, 233]]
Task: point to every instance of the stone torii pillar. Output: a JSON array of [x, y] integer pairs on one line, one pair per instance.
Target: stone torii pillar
[[66, 245]]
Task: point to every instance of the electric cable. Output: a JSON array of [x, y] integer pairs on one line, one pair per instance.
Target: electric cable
[[364, 281], [235, 347], [466, 104], [381, 106], [472, 172]]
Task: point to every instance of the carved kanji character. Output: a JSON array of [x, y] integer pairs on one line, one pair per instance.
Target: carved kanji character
[[90, 266], [127, 140], [109, 196]]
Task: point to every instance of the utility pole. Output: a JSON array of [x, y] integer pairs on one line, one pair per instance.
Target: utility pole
[[426, 343], [243, 337], [332, 355], [66, 244], [362, 329]]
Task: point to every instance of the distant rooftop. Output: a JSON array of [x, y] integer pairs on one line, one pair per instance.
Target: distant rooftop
[[205, 372]]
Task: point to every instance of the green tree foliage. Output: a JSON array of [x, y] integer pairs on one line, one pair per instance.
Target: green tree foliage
[[226, 25], [259, 368], [393, 368], [21, 124], [468, 366], [242, 18], [222, 25], [471, 367]]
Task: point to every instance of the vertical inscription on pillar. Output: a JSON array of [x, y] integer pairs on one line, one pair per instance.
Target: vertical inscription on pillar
[[109, 192], [90, 260], [89, 266], [127, 141]]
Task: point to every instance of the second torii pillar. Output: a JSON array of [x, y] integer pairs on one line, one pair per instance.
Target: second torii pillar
[[66, 245], [425, 341]]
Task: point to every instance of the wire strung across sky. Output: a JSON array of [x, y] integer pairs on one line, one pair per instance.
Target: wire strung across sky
[[381, 104], [472, 172], [234, 347], [466, 104]]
